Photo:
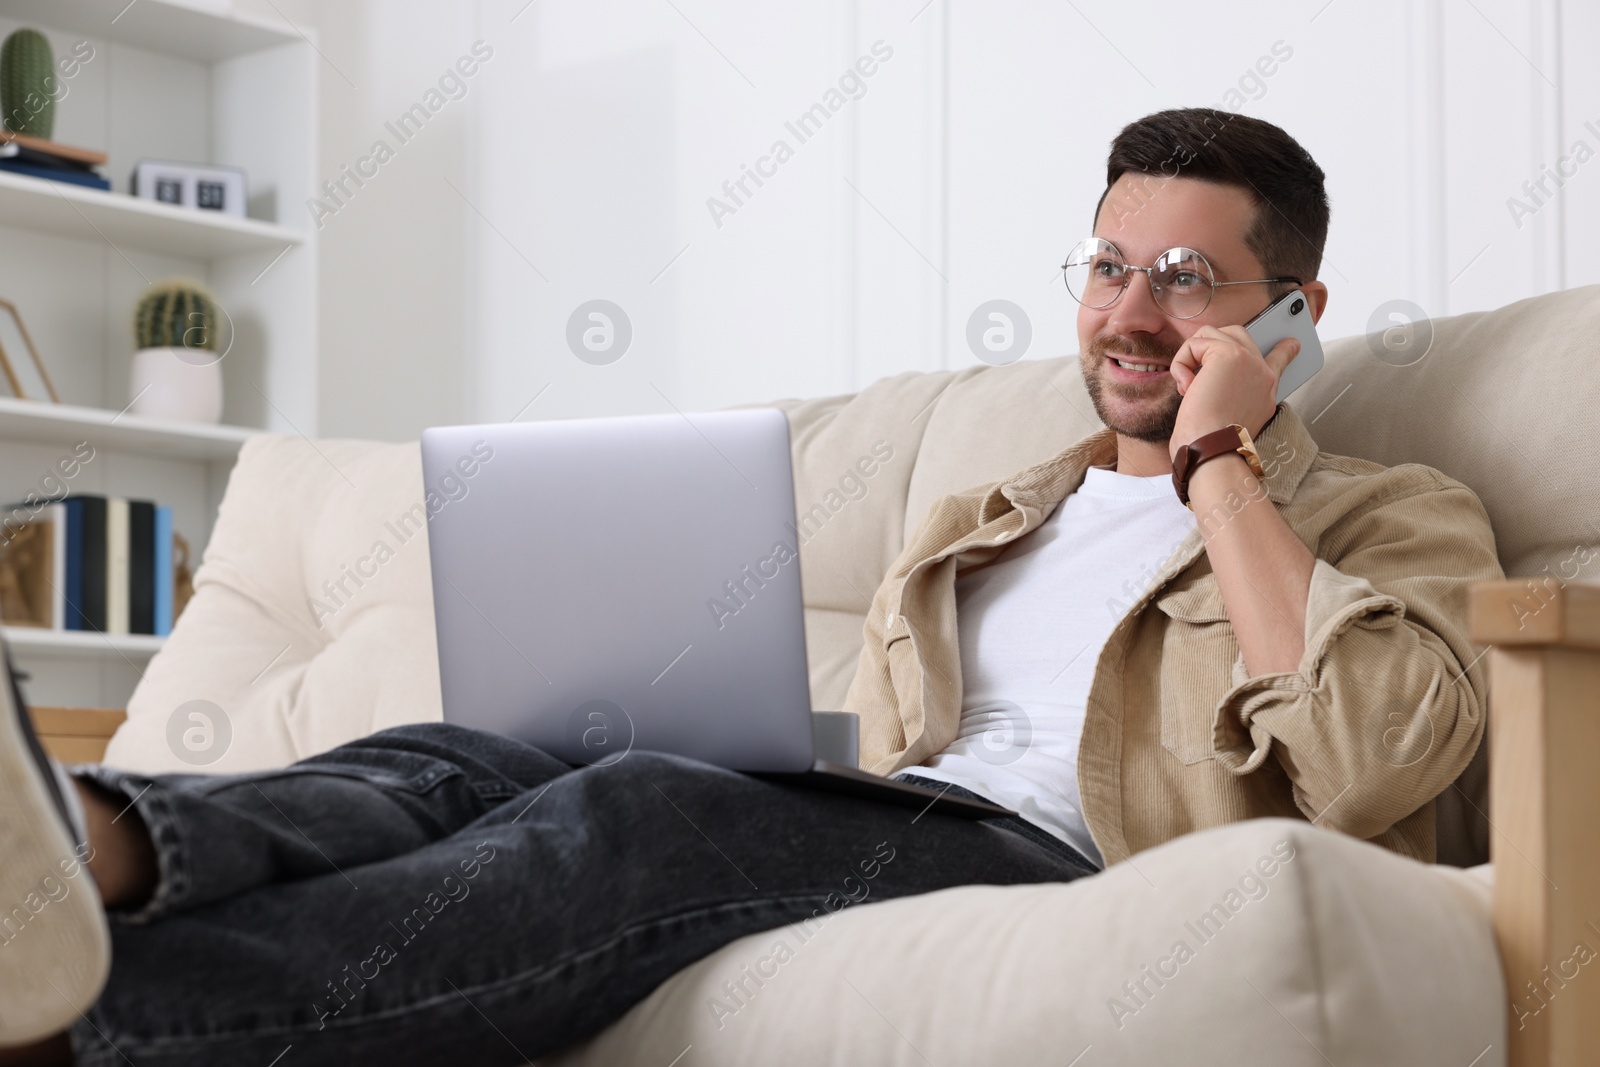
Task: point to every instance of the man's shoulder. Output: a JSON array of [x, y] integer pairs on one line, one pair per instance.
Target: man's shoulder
[[1350, 483]]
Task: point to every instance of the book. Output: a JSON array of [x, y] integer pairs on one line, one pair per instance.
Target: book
[[141, 567], [12, 150], [72, 177], [73, 589], [163, 571], [86, 562], [67, 152], [58, 567], [117, 565], [112, 565]]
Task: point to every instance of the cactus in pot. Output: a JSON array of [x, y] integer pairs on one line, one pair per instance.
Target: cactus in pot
[[176, 372], [177, 314], [27, 76]]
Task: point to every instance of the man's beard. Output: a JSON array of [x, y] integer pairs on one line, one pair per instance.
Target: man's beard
[[1152, 424]]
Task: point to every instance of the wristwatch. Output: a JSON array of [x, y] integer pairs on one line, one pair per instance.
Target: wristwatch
[[1231, 438]]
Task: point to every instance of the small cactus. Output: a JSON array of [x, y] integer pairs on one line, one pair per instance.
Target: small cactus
[[27, 76], [176, 314]]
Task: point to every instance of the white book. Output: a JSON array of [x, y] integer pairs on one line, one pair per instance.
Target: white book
[[117, 565], [56, 515]]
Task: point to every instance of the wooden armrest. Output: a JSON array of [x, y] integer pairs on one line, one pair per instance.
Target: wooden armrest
[[76, 735], [1544, 795]]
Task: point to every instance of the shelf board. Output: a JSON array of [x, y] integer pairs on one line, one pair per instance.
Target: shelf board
[[80, 643], [65, 424], [174, 29], [96, 215]]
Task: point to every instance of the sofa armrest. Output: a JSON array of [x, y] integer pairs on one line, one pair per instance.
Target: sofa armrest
[[76, 735], [1544, 773]]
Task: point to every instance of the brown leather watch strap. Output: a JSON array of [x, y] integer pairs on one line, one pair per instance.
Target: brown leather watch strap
[[1229, 439]]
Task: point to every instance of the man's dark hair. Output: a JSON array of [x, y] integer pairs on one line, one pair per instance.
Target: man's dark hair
[[1291, 219]]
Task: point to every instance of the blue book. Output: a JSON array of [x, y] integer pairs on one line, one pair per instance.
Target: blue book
[[87, 564], [163, 570], [56, 174]]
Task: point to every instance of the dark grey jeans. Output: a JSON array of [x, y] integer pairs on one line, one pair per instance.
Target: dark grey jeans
[[432, 894]]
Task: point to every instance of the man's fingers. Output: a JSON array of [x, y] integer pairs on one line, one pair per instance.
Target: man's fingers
[[1181, 377], [1239, 335], [1187, 356], [1281, 355]]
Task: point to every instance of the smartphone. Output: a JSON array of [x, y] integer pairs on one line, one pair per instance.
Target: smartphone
[[1289, 317]]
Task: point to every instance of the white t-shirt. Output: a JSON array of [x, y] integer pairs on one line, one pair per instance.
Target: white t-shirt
[[1031, 626]]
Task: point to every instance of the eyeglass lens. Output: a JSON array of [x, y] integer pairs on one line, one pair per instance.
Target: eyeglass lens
[[1180, 278]]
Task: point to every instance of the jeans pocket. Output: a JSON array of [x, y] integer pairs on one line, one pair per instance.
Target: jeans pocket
[[408, 772]]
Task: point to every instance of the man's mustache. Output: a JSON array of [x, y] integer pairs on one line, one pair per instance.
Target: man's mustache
[[1132, 346]]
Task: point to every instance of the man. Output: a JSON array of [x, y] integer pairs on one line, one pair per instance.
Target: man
[[1293, 645]]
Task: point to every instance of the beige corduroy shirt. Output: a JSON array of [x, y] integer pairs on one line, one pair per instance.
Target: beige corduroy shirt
[[1384, 712]]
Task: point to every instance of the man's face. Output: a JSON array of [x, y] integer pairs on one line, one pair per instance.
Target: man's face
[[1143, 216]]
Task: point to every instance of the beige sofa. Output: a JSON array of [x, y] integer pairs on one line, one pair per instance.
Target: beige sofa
[[1343, 953]]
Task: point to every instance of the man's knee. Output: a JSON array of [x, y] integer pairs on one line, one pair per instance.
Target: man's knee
[[654, 778], [648, 765], [431, 732], [443, 740]]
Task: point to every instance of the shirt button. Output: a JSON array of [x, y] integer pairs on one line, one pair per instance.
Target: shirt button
[[1003, 535]]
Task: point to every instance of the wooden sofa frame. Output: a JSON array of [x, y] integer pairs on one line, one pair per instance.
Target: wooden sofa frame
[[1544, 793], [1544, 745]]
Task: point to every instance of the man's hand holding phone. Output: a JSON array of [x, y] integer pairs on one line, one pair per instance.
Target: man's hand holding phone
[[1237, 386]]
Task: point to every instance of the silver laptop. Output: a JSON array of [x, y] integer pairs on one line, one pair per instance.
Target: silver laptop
[[608, 585]]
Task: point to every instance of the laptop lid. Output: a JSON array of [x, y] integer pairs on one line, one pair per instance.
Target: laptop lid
[[601, 585]]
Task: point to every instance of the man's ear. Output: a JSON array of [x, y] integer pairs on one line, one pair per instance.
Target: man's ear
[[1317, 293]]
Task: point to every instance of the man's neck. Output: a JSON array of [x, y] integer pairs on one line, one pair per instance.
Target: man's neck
[[1143, 459]]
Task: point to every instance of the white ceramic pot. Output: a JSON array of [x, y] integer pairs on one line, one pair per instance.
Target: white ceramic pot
[[176, 383]]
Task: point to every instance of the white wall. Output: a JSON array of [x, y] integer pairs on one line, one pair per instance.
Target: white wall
[[589, 144], [394, 258]]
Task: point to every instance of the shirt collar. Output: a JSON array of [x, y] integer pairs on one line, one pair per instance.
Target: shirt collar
[[1286, 447]]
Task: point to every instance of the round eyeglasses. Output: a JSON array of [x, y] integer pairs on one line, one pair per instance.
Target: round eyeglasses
[[1181, 281]]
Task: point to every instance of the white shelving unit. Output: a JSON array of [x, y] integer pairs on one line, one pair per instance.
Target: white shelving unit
[[66, 424], [76, 644], [166, 80], [168, 28], [65, 209]]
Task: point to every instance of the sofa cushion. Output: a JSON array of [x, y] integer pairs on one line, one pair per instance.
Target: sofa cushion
[[312, 619], [1268, 941], [1503, 401]]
